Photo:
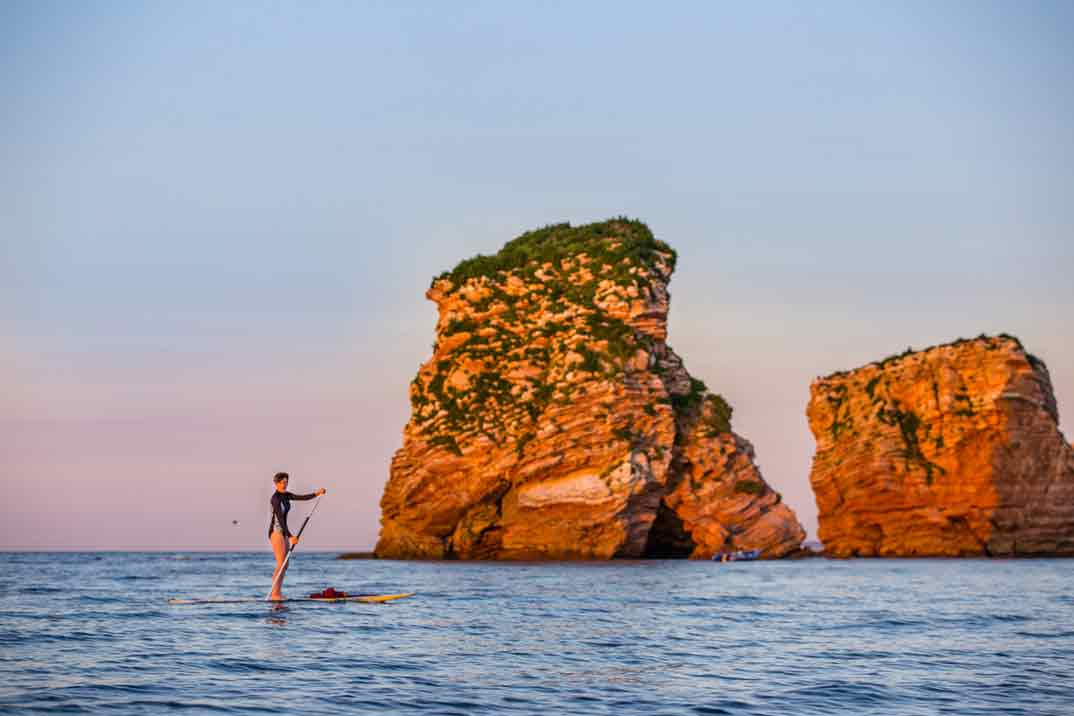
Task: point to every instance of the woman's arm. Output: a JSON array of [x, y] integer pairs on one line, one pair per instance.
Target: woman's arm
[[293, 496]]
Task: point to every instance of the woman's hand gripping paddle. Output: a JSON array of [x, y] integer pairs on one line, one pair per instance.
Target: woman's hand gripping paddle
[[291, 549]]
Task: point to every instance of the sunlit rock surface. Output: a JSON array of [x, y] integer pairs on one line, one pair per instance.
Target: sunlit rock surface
[[554, 422], [951, 451]]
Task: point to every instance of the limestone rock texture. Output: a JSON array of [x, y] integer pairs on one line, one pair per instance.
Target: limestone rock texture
[[950, 451], [554, 422]]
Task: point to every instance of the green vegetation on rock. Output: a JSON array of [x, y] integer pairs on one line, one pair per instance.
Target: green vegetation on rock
[[841, 419], [534, 308], [963, 404], [749, 487], [991, 343], [683, 403], [619, 243], [908, 424], [718, 417]]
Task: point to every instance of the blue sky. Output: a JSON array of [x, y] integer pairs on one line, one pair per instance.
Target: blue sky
[[218, 221]]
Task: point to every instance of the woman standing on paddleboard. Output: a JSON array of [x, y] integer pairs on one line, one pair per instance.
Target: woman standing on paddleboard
[[279, 535]]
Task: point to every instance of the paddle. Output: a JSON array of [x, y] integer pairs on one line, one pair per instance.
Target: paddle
[[291, 549]]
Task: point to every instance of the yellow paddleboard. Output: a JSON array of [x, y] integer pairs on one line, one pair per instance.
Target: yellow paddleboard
[[363, 598]]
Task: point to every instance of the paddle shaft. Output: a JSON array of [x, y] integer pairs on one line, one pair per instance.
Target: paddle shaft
[[291, 548]]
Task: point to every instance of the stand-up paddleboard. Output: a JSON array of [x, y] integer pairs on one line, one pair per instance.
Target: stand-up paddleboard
[[363, 598], [328, 595]]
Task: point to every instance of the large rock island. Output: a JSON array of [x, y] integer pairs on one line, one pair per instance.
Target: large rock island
[[554, 422], [951, 451]]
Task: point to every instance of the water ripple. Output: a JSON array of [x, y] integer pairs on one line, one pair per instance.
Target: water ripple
[[903, 637]]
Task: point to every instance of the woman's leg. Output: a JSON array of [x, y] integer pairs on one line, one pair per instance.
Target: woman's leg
[[279, 548]]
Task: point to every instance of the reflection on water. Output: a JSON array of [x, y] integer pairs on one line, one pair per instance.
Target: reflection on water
[[649, 637], [278, 616]]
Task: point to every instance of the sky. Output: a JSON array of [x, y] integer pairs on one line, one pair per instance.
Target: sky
[[218, 222]]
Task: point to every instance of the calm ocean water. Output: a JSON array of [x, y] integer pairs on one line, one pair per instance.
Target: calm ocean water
[[93, 633]]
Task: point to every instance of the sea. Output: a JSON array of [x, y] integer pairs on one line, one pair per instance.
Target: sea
[[94, 633]]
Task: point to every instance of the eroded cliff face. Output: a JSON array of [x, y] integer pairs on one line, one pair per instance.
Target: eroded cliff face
[[553, 421], [952, 451]]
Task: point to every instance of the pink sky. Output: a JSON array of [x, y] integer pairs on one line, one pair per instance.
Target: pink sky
[[217, 223], [167, 453]]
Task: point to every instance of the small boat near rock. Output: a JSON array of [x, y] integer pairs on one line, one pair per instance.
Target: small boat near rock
[[741, 555]]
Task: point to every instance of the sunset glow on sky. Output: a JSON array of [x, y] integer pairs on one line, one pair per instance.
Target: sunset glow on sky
[[218, 222]]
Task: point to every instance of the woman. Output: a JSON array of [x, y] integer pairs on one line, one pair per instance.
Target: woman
[[279, 535]]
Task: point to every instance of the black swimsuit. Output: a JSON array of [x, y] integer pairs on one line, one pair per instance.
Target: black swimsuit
[[281, 505]]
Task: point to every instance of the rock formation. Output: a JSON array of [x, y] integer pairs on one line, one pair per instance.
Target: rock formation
[[553, 421], [951, 451]]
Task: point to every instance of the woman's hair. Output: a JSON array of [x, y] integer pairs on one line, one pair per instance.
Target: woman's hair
[[280, 477]]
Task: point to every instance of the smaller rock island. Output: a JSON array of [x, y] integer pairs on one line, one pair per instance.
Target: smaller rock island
[[950, 451]]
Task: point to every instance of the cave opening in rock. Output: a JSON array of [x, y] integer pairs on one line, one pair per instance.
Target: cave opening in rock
[[667, 537]]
